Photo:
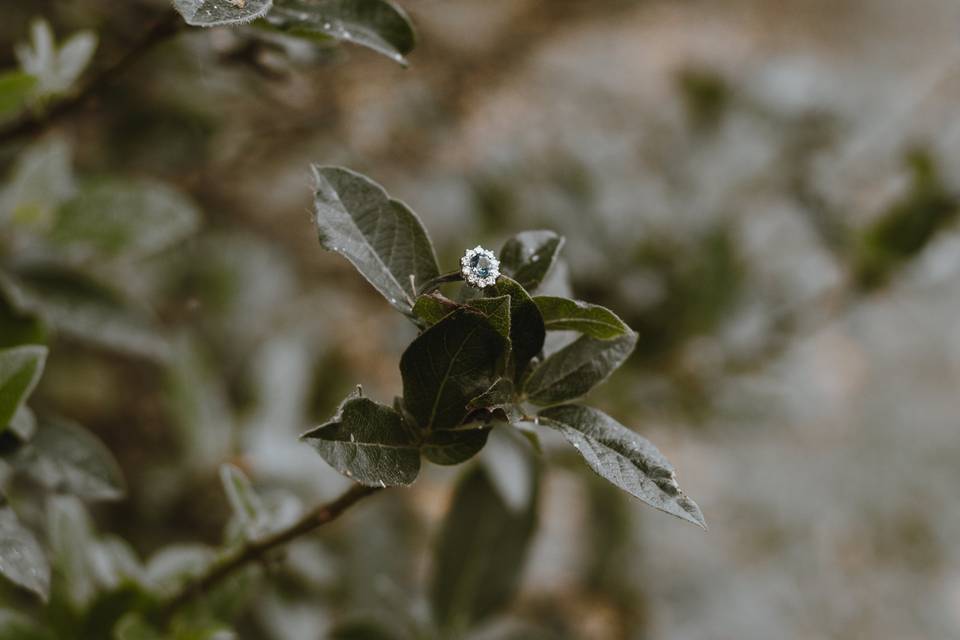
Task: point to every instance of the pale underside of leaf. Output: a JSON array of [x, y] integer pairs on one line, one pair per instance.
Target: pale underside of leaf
[[129, 218], [66, 457], [244, 501], [89, 311], [22, 559]]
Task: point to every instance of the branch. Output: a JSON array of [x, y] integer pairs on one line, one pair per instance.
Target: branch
[[257, 549], [30, 122]]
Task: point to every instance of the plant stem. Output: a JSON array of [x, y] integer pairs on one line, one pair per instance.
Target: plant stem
[[33, 122], [433, 283], [256, 549]]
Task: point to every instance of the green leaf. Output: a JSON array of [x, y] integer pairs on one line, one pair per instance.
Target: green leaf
[[577, 368], [16, 90], [528, 256], [20, 369], [433, 307], [17, 626], [132, 218], [66, 457], [497, 311], [72, 548], [22, 560], [381, 236], [368, 442], [480, 554], [377, 24], [624, 458], [499, 400], [247, 507], [42, 179], [527, 332], [448, 365], [83, 308], [213, 13], [454, 446], [18, 327], [563, 314]]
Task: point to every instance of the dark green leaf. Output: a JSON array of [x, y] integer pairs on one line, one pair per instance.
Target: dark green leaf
[[20, 369], [433, 307], [500, 400], [480, 553], [454, 446], [66, 457], [528, 256], [381, 236], [368, 442], [213, 13], [626, 459], [16, 90], [22, 560], [377, 24], [246, 505], [18, 327], [577, 368], [500, 393], [134, 218], [563, 314], [527, 331], [448, 365], [497, 311]]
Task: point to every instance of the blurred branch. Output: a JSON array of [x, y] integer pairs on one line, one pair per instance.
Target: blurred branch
[[33, 122], [257, 549]]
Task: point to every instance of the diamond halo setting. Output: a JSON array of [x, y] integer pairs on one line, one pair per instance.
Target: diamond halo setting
[[480, 267]]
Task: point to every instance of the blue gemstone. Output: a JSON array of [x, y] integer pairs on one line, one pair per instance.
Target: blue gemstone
[[481, 265]]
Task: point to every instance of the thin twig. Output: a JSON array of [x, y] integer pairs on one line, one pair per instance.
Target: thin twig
[[257, 549], [31, 122]]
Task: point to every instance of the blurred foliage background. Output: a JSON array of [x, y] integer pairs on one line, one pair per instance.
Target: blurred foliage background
[[764, 190]]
